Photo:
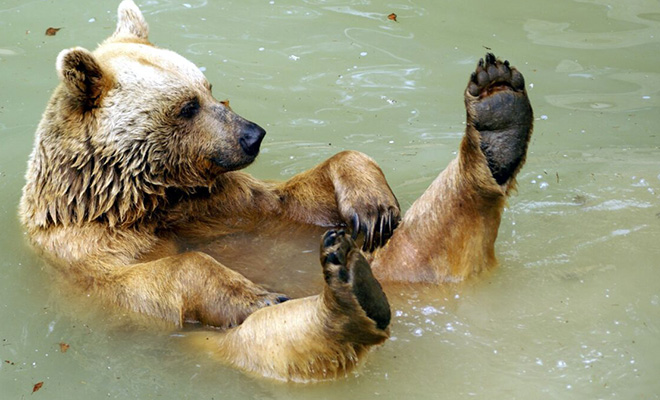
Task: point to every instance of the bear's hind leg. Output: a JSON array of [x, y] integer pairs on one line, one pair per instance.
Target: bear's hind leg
[[450, 231], [315, 338]]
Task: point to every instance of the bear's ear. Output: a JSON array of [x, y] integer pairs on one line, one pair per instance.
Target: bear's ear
[[130, 22], [82, 75]]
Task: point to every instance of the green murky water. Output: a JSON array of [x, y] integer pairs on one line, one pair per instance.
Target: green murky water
[[573, 311]]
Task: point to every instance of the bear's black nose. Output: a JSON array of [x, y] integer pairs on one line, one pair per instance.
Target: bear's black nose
[[251, 137]]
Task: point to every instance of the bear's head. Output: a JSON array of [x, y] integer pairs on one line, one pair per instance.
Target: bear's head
[[128, 122], [152, 108]]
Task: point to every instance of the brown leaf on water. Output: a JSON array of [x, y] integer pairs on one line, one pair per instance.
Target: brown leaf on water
[[9, 362], [64, 347], [37, 386], [392, 17], [52, 31]]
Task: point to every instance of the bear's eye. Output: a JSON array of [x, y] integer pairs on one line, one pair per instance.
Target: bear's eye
[[190, 109]]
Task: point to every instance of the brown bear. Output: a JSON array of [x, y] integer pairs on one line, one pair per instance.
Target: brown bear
[[135, 160]]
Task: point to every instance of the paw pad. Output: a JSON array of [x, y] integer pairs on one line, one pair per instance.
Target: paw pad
[[492, 73], [344, 263]]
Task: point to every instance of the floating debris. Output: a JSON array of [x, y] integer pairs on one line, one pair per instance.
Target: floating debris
[[52, 31], [64, 347], [37, 386]]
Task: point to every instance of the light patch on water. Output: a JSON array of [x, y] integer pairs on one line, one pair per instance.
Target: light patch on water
[[641, 183], [623, 100], [372, 38], [542, 206], [569, 66], [617, 204], [560, 34], [430, 310], [612, 235], [303, 122]]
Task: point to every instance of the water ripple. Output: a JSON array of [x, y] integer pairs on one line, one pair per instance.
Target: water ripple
[[646, 94]]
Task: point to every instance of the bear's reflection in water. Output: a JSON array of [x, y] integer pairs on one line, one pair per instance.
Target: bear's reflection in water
[[283, 258]]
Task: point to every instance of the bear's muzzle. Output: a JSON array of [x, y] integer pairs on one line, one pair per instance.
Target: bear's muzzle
[[251, 137]]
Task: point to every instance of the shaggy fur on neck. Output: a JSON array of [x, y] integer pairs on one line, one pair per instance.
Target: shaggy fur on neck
[[74, 182]]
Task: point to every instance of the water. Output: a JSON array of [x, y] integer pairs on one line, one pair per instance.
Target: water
[[573, 310]]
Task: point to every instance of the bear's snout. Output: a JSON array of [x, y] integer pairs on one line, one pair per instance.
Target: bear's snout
[[251, 137]]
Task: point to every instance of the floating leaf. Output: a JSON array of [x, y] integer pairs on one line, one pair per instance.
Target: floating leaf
[[64, 347], [392, 17], [52, 31], [9, 362], [37, 386]]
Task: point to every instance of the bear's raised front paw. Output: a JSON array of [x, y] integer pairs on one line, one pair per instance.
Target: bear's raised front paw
[[349, 277], [366, 204], [498, 108], [376, 222]]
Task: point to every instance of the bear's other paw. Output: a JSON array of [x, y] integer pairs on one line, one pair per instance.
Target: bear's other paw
[[376, 221], [354, 289], [498, 108]]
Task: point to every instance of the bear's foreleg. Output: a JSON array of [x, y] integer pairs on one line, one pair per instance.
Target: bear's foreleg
[[188, 287], [347, 189], [450, 231]]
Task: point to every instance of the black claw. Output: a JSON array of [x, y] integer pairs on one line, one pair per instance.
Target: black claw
[[381, 224], [390, 231], [355, 219], [490, 58], [329, 238], [506, 63], [368, 239], [282, 299]]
